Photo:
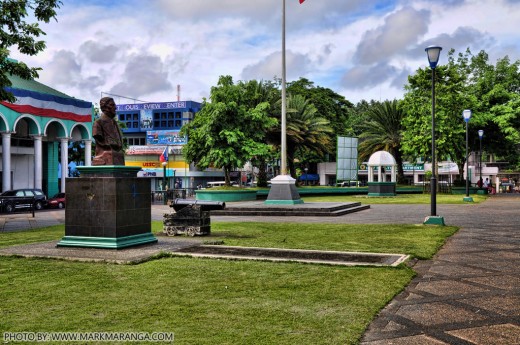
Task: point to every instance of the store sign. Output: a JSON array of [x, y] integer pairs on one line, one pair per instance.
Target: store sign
[[412, 167], [406, 167], [144, 150], [152, 106], [151, 165]]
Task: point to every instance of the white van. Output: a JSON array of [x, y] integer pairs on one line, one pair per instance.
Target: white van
[[215, 184]]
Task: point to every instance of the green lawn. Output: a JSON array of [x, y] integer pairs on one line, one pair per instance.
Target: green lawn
[[399, 199], [205, 301]]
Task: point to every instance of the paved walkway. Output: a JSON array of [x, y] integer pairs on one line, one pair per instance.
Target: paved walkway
[[468, 294]]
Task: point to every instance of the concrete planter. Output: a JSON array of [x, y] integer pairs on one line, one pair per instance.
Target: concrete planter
[[381, 188], [225, 195]]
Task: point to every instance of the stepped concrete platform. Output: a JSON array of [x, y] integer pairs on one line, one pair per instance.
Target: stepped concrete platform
[[311, 209]]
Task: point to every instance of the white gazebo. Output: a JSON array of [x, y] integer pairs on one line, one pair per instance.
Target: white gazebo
[[382, 160]]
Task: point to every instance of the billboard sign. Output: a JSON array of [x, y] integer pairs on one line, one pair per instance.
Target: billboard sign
[[347, 157], [165, 138]]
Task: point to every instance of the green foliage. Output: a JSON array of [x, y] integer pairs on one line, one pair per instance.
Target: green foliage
[[382, 131], [16, 31], [329, 104], [308, 134], [229, 130], [465, 82]]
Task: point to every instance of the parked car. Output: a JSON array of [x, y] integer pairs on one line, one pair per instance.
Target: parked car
[[15, 199], [57, 201]]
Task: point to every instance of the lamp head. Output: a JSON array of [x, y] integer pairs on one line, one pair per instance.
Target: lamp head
[[433, 53], [164, 164], [466, 114], [480, 133]]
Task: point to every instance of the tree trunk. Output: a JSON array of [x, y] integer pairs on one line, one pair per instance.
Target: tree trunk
[[262, 174], [226, 174], [290, 161], [399, 161]]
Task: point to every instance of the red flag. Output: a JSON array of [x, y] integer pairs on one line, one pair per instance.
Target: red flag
[[301, 1], [164, 156]]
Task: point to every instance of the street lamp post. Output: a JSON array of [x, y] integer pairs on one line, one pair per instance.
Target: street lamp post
[[466, 114], [480, 135], [433, 53], [306, 177]]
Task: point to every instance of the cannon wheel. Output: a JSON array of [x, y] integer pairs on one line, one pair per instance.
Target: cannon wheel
[[171, 230], [191, 231]]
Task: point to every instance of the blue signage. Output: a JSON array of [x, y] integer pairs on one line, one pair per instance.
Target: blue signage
[[152, 106]]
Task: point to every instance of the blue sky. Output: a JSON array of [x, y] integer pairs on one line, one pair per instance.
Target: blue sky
[[360, 49]]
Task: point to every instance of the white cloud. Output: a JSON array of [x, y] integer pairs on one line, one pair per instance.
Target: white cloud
[[357, 48]]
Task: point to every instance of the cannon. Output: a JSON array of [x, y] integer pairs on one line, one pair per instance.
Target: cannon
[[190, 217]]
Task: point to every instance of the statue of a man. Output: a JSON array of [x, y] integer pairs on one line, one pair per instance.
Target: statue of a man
[[106, 132]]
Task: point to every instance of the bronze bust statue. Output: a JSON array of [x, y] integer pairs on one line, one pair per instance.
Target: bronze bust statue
[[108, 137]]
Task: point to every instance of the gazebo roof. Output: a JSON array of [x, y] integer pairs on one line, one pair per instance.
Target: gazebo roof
[[381, 158]]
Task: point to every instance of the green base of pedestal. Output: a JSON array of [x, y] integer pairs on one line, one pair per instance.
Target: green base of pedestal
[[107, 242], [434, 220], [283, 202], [380, 194], [467, 199]]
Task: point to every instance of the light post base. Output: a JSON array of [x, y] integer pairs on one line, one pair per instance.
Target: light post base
[[467, 199], [434, 220]]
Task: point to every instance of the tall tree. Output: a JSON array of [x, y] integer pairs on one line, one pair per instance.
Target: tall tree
[[227, 132], [329, 104], [16, 31], [257, 92], [496, 90], [383, 131], [452, 98], [307, 132], [467, 81]]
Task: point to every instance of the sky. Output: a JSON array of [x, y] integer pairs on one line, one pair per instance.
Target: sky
[[361, 49]]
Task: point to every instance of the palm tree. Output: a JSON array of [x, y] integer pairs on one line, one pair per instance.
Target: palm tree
[[307, 132], [382, 131]]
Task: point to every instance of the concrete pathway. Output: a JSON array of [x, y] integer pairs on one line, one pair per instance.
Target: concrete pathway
[[470, 292]]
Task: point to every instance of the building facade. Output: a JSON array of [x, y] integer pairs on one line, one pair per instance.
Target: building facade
[[36, 132], [152, 130]]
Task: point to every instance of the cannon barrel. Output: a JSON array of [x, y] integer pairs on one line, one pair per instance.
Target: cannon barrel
[[205, 205]]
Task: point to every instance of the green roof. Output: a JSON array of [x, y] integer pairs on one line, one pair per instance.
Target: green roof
[[33, 85]]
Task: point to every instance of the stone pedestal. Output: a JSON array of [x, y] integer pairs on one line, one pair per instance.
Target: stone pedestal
[[107, 207], [381, 188], [283, 191]]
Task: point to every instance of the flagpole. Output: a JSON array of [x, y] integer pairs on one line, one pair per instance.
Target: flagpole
[[283, 166], [283, 187]]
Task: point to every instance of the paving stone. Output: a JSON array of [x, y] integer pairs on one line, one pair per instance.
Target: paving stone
[[506, 305], [490, 335], [430, 314], [506, 282], [448, 287], [414, 340]]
